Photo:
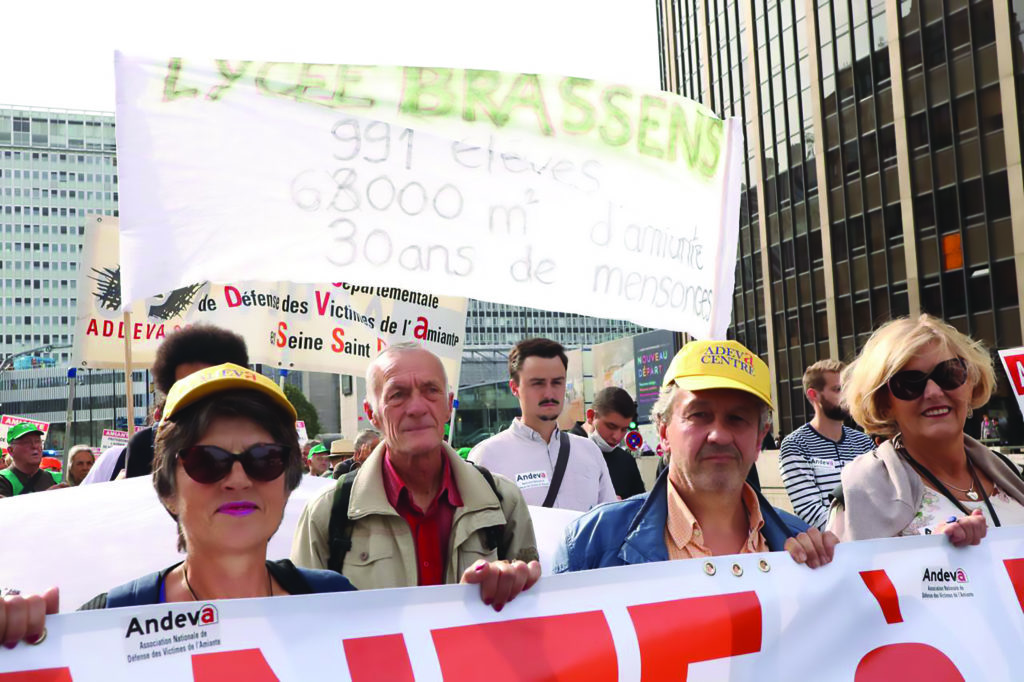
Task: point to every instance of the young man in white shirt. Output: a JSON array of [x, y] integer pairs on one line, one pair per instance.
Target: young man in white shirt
[[528, 452]]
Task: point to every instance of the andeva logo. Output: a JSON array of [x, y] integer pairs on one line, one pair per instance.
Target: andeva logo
[[204, 615], [941, 575], [724, 355]]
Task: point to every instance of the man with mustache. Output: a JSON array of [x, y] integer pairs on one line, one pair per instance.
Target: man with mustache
[[552, 468], [713, 412], [813, 456]]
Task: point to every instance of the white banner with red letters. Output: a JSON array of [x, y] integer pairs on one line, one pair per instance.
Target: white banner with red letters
[[337, 327], [895, 609]]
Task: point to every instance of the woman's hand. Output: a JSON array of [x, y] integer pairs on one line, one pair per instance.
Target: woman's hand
[[812, 547], [501, 581], [967, 530], [24, 618]]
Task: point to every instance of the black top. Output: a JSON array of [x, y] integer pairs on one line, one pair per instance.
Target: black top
[[625, 473], [36, 483], [142, 449], [292, 579]]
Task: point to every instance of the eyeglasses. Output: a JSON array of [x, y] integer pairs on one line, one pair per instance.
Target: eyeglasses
[[208, 463], [910, 384]]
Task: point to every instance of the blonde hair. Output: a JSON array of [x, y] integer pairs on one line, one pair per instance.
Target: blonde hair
[[814, 376], [889, 349]]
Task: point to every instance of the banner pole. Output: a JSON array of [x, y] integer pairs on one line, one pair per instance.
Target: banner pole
[[128, 393], [69, 423]]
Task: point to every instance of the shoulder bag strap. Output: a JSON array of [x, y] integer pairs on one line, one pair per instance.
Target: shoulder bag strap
[[339, 529], [560, 465]]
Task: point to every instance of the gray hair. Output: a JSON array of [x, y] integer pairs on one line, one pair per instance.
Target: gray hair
[[364, 437], [661, 411], [75, 449], [372, 389]]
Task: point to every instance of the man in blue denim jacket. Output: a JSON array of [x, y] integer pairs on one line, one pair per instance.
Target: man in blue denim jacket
[[713, 413]]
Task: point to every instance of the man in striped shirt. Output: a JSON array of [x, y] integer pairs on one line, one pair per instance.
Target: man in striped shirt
[[813, 456]]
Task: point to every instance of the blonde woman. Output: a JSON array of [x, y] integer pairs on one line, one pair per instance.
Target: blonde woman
[[916, 382]]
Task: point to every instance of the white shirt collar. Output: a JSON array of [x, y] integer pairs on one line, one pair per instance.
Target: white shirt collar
[[523, 431]]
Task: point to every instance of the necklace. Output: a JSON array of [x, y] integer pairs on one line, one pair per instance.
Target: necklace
[[188, 585], [971, 493]]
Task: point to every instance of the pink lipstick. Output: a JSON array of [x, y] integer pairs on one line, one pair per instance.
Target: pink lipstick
[[237, 508]]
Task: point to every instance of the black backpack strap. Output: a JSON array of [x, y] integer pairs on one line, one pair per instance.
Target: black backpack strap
[[339, 530], [559, 474], [492, 534]]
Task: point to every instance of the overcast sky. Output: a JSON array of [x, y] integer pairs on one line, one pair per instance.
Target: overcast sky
[[60, 53]]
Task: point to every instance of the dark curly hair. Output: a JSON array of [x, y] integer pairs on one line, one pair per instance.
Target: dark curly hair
[[188, 426], [203, 343]]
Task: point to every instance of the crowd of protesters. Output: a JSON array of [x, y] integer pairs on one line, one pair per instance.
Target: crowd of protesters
[[408, 510]]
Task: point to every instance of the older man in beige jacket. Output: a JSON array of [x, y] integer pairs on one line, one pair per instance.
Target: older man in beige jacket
[[417, 514]]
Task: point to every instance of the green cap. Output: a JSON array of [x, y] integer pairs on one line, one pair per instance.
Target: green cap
[[316, 450], [22, 429]]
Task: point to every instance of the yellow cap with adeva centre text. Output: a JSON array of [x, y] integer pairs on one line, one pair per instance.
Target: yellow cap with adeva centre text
[[702, 365], [224, 377]]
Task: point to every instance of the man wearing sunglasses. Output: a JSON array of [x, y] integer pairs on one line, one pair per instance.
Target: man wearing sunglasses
[[813, 456], [415, 513]]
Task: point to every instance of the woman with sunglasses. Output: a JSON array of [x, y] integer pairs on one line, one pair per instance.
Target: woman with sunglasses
[[917, 382], [227, 458]]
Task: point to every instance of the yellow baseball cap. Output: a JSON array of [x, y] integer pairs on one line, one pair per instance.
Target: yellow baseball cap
[[700, 365], [224, 377]]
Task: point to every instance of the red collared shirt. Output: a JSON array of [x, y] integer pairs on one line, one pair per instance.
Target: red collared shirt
[[431, 529]]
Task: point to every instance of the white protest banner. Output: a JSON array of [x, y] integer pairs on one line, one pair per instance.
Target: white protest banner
[[554, 192], [895, 609], [300, 428], [1013, 363], [335, 327], [146, 539], [7, 421]]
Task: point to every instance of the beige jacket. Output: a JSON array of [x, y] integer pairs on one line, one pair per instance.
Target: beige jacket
[[383, 552], [883, 491]]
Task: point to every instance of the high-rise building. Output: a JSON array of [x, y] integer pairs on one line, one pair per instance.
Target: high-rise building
[[56, 167], [882, 168]]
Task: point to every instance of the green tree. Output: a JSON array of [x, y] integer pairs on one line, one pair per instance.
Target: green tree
[[307, 413]]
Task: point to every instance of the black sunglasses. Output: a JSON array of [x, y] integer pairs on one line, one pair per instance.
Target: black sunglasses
[[208, 463], [910, 383]]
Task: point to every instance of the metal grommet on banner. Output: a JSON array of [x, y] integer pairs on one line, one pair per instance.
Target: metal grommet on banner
[[764, 566], [737, 570], [709, 568]]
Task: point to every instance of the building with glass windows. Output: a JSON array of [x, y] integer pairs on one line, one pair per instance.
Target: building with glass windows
[[493, 328], [56, 167], [882, 172]]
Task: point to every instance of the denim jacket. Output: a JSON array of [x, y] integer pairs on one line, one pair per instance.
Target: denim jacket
[[633, 532]]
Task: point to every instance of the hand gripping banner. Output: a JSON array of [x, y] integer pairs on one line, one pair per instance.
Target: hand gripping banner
[[896, 609]]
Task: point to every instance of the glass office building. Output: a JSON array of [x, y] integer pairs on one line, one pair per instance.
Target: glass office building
[[56, 167], [882, 173]]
